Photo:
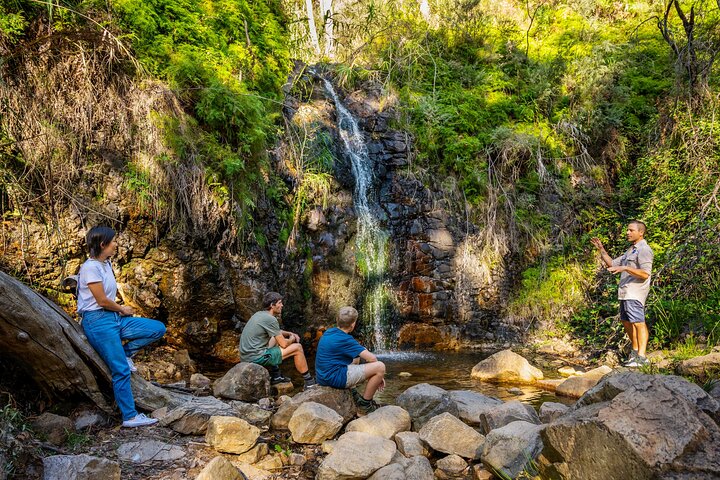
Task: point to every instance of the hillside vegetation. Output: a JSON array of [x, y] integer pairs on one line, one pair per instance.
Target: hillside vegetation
[[557, 120]]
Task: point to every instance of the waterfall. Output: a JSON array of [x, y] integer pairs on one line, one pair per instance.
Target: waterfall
[[371, 239]]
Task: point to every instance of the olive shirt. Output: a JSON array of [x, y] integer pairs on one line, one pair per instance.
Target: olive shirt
[[254, 339], [631, 287]]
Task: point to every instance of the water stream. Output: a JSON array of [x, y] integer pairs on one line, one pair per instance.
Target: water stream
[[371, 239]]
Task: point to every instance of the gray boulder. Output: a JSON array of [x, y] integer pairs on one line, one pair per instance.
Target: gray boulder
[[472, 404], [506, 413], [448, 434], [339, 400], [649, 429], [356, 455], [384, 422], [314, 423], [451, 467], [425, 401], [79, 467], [511, 449], [149, 451], [410, 445], [248, 382], [192, 417], [415, 468], [219, 469], [252, 413], [549, 411]]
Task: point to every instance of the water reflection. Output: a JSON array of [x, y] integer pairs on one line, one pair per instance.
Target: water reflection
[[451, 371]]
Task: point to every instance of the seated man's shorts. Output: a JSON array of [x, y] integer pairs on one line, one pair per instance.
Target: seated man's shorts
[[355, 375], [632, 311], [271, 357]]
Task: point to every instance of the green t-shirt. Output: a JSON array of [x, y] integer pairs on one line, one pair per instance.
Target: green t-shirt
[[257, 333]]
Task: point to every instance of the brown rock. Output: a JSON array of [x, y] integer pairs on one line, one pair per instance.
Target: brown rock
[[55, 428], [506, 366], [703, 367], [576, 386]]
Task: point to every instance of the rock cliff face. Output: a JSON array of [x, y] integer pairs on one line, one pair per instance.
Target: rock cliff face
[[205, 291]]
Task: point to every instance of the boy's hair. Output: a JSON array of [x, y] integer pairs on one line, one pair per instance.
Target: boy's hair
[[98, 238], [346, 317], [642, 228], [270, 299]]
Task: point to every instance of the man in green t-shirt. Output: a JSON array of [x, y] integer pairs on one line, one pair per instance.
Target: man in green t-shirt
[[263, 342]]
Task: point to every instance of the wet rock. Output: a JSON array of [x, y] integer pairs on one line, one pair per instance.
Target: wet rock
[[231, 435], [192, 418], [549, 411], [576, 386], [248, 382], [506, 413], [54, 428], [419, 336], [314, 423], [550, 384], [704, 366], [619, 430], [149, 451], [506, 366], [451, 467], [410, 445], [511, 449], [219, 469], [339, 400], [384, 422], [471, 405], [424, 401], [448, 434], [356, 455], [79, 467]]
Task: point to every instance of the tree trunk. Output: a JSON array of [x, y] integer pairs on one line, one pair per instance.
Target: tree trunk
[[327, 13], [311, 26], [52, 348]]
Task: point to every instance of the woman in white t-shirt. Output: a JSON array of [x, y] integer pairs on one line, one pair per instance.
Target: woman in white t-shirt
[[107, 324]]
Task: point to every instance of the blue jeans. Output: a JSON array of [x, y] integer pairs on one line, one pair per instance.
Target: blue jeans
[[105, 331]]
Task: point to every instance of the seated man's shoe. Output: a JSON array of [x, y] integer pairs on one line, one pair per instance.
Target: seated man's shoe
[[140, 420], [311, 383], [366, 406], [280, 379]]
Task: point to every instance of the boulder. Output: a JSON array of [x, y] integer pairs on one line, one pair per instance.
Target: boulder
[[248, 382], [702, 367], [549, 384], [54, 428], [568, 371], [506, 366], [416, 468], [549, 411], [339, 400], [89, 419], [254, 455], [641, 430], [613, 385], [509, 412], [314, 423], [271, 462], [356, 455], [480, 473], [149, 451], [448, 434], [252, 472], [251, 413], [452, 466], [231, 435], [472, 404], [715, 390], [79, 467], [424, 401], [410, 445], [219, 469], [576, 386], [511, 449], [192, 418], [384, 422], [198, 380]]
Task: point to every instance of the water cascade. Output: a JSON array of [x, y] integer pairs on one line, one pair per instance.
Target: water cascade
[[371, 239]]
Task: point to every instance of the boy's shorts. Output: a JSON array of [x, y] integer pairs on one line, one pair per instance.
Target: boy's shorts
[[271, 357], [355, 375], [632, 311]]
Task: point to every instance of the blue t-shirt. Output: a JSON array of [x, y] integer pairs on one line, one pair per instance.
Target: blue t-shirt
[[336, 350]]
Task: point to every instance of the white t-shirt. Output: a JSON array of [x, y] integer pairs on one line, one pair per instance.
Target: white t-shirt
[[637, 256], [93, 271]]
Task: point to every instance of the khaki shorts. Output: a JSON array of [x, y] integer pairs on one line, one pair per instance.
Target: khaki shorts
[[355, 375]]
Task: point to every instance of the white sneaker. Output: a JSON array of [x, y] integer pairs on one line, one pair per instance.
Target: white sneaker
[[131, 364], [140, 420]]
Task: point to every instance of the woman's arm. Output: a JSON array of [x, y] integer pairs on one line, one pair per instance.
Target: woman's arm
[[96, 289]]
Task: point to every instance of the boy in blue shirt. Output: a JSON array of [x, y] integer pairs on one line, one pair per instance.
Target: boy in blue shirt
[[337, 362]]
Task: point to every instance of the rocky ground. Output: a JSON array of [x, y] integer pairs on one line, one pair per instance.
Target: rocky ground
[[245, 426]]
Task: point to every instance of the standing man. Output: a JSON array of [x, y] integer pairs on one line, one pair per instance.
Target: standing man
[[263, 342], [634, 268]]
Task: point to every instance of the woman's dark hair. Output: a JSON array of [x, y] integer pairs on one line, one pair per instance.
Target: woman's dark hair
[[270, 299], [98, 238]]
